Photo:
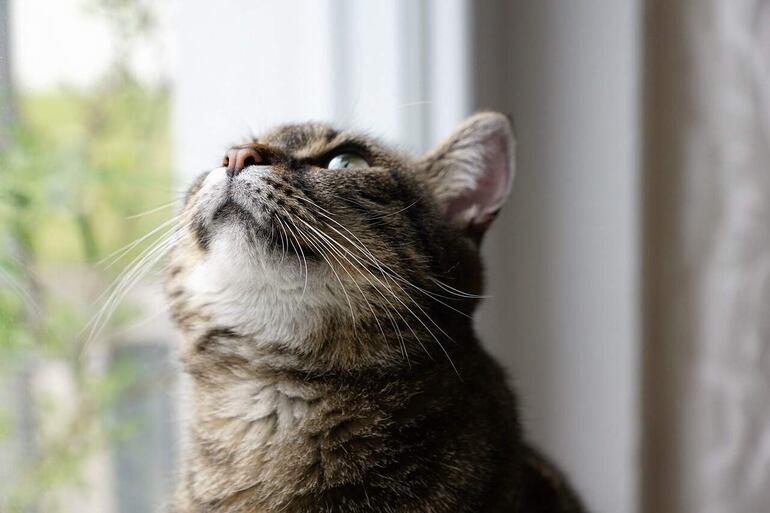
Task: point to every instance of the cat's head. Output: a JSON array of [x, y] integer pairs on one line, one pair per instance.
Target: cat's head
[[331, 247]]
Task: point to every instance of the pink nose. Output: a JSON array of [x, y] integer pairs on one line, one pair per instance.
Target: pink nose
[[239, 158]]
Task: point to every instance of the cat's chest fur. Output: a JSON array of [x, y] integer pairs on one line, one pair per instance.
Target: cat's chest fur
[[271, 442]]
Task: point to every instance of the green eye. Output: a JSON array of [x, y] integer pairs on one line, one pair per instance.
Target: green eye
[[347, 160]]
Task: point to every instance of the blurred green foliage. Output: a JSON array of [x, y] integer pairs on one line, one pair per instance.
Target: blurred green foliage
[[79, 168], [80, 165]]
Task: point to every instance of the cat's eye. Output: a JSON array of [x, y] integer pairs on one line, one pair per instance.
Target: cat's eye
[[348, 160]]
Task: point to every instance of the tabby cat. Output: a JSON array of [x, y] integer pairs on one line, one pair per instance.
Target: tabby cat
[[325, 286]]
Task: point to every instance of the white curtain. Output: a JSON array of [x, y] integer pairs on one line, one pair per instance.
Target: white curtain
[[707, 444]]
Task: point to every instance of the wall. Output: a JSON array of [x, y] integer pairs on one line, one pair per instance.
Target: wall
[[240, 68], [564, 255]]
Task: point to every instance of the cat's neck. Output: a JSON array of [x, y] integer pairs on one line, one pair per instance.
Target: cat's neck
[[266, 435], [272, 427], [250, 438]]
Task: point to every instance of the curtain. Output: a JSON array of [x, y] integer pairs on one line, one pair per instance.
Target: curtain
[[707, 234]]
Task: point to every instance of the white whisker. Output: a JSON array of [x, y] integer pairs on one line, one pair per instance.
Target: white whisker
[[120, 253], [125, 281], [152, 211]]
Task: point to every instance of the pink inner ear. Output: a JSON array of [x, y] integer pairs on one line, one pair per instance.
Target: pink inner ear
[[491, 184]]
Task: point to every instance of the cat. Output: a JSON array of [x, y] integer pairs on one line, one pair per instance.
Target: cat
[[324, 285]]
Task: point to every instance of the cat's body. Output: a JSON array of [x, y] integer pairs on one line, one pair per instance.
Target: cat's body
[[326, 317]]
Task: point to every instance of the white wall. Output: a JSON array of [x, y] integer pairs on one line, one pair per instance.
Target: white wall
[[243, 66], [564, 255], [240, 70]]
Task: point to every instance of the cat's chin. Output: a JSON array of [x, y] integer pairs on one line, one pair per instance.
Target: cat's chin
[[252, 243], [235, 221], [259, 293]]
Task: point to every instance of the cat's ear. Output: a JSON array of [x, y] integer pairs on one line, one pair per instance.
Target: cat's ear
[[471, 173]]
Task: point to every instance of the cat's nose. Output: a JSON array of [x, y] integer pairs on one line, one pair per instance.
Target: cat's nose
[[239, 158]]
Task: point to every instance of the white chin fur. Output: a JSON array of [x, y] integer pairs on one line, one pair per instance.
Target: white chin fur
[[257, 291]]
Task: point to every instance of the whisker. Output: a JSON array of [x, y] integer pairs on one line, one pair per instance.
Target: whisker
[[458, 292], [152, 211], [342, 286], [380, 264], [397, 276], [125, 281], [299, 247], [131, 245], [369, 304], [362, 248], [284, 243], [379, 215], [15, 284], [330, 240]]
